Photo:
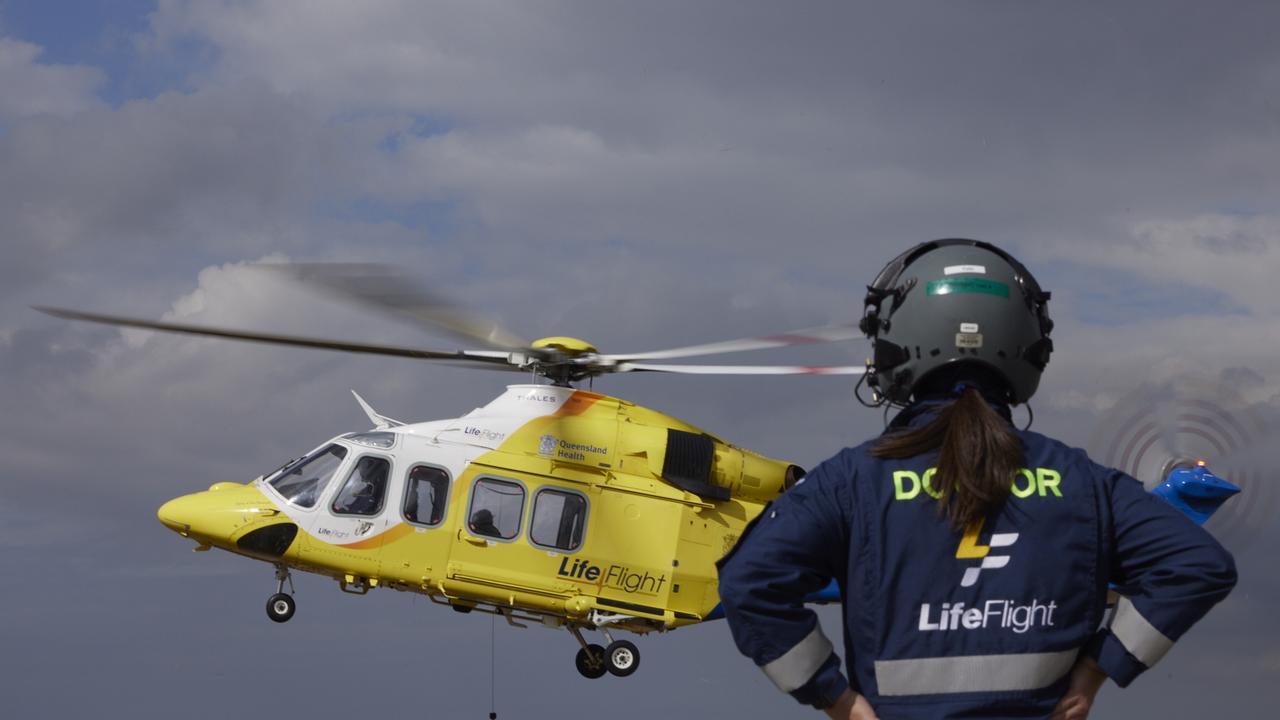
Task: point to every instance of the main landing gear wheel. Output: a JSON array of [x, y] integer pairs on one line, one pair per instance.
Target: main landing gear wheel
[[590, 661], [622, 657], [280, 607]]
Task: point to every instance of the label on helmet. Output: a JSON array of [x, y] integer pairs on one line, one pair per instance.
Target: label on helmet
[[981, 286], [957, 269], [968, 327], [968, 340]]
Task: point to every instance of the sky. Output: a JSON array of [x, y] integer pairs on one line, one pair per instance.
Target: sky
[[644, 175]]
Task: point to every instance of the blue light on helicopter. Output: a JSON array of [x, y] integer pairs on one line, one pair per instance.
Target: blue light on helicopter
[[1195, 491]]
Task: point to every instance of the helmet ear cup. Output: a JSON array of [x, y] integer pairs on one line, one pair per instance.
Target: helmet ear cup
[[1038, 353], [888, 356]]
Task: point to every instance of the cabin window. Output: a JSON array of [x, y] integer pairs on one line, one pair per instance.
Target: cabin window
[[496, 509], [302, 482], [559, 518], [365, 487], [425, 495]]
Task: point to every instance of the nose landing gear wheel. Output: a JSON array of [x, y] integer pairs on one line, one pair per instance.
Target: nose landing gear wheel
[[622, 657], [280, 607], [590, 661]]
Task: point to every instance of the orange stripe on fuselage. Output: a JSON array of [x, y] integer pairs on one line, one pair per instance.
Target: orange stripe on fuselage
[[578, 403]]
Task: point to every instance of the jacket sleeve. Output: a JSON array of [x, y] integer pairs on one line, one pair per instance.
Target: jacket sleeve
[[796, 546], [1169, 573]]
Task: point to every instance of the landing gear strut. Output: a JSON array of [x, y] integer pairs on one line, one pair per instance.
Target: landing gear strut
[[619, 658], [590, 658], [280, 607]]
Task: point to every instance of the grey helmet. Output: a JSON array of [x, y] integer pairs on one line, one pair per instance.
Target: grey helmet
[[952, 301]]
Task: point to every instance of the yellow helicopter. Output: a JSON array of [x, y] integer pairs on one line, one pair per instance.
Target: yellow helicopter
[[550, 504]]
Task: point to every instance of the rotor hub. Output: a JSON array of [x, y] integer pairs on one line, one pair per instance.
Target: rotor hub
[[570, 346], [564, 360]]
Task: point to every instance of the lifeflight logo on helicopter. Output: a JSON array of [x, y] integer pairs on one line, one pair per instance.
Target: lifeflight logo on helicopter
[[619, 577]]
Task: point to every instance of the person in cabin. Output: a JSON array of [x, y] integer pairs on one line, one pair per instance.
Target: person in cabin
[[482, 523]]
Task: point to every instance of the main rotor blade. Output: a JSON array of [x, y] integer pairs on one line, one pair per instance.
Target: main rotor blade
[[487, 357], [807, 336], [388, 290], [743, 369]]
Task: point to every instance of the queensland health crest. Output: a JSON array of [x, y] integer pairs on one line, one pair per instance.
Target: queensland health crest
[[547, 445]]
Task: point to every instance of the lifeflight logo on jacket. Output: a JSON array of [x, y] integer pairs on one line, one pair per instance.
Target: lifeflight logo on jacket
[[970, 550], [1006, 614], [1003, 613]]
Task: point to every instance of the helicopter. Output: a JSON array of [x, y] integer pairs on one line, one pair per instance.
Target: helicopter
[[550, 505]]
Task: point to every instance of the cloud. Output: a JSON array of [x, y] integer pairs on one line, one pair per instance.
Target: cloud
[[112, 196], [678, 126], [35, 89], [1203, 255]]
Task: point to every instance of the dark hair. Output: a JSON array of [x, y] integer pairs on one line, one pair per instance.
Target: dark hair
[[978, 454]]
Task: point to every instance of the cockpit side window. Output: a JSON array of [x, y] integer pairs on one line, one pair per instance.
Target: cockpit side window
[[558, 519], [496, 509], [302, 482], [425, 495], [365, 488]]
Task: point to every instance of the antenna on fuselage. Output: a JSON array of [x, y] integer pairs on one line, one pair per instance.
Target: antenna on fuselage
[[381, 422]]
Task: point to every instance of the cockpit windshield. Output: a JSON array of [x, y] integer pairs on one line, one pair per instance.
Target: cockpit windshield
[[302, 482]]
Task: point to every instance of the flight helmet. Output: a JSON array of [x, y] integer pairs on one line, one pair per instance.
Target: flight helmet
[[955, 301]]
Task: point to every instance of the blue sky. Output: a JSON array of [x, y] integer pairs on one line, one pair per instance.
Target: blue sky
[[81, 32], [105, 35], [643, 175]]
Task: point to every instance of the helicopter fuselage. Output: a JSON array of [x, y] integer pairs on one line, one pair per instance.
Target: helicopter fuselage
[[562, 505]]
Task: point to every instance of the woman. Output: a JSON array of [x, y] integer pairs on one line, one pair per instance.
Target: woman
[[973, 559]]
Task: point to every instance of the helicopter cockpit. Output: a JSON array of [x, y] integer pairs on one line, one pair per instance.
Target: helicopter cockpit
[[302, 481]]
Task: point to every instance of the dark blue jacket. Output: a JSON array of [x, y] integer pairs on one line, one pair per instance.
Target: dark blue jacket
[[983, 623]]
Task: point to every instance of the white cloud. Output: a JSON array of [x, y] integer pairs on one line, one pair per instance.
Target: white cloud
[[1093, 403], [384, 54], [33, 89], [115, 198], [1236, 255]]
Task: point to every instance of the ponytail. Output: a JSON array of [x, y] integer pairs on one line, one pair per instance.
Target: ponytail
[[978, 454]]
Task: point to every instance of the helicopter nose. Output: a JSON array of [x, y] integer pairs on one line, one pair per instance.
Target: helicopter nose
[[213, 517], [179, 514]]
